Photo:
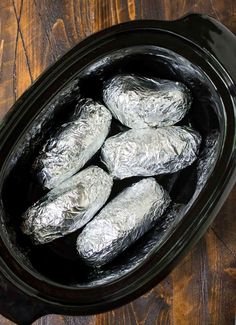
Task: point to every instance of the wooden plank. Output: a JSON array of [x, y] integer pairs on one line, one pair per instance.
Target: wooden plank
[[33, 34], [8, 41], [33, 37], [224, 226]]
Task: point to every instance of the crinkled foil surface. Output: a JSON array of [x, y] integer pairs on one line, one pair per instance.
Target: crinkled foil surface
[[122, 221], [74, 144], [69, 206], [165, 226], [140, 102], [149, 152], [144, 247]]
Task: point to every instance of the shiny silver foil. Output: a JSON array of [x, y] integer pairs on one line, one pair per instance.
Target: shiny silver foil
[[143, 249], [122, 221], [140, 102], [69, 206], [148, 152], [165, 226], [74, 144]]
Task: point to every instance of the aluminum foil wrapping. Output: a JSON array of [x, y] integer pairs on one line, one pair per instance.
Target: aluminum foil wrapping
[[165, 226], [74, 144], [69, 206], [144, 247], [140, 102], [148, 152], [122, 221]]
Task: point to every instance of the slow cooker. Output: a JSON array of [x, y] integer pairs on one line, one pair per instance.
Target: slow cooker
[[197, 50]]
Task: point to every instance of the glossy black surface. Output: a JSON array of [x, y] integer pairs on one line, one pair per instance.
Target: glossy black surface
[[58, 261], [210, 49]]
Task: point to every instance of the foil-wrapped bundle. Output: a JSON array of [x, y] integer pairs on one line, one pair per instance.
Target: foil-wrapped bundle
[[69, 206], [149, 152], [122, 221], [144, 247], [140, 102], [73, 144]]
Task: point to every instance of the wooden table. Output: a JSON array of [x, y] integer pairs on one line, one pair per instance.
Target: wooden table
[[33, 34]]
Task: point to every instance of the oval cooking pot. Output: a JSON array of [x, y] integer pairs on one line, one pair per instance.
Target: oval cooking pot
[[197, 50]]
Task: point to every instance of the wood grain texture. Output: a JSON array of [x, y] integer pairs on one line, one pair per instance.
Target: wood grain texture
[[33, 34]]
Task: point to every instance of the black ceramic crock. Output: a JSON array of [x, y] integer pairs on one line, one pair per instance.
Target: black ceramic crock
[[26, 293]]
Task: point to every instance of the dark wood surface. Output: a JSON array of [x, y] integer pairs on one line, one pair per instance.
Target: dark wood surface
[[33, 34]]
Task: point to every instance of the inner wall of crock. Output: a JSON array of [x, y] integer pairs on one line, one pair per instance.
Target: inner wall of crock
[[58, 261]]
